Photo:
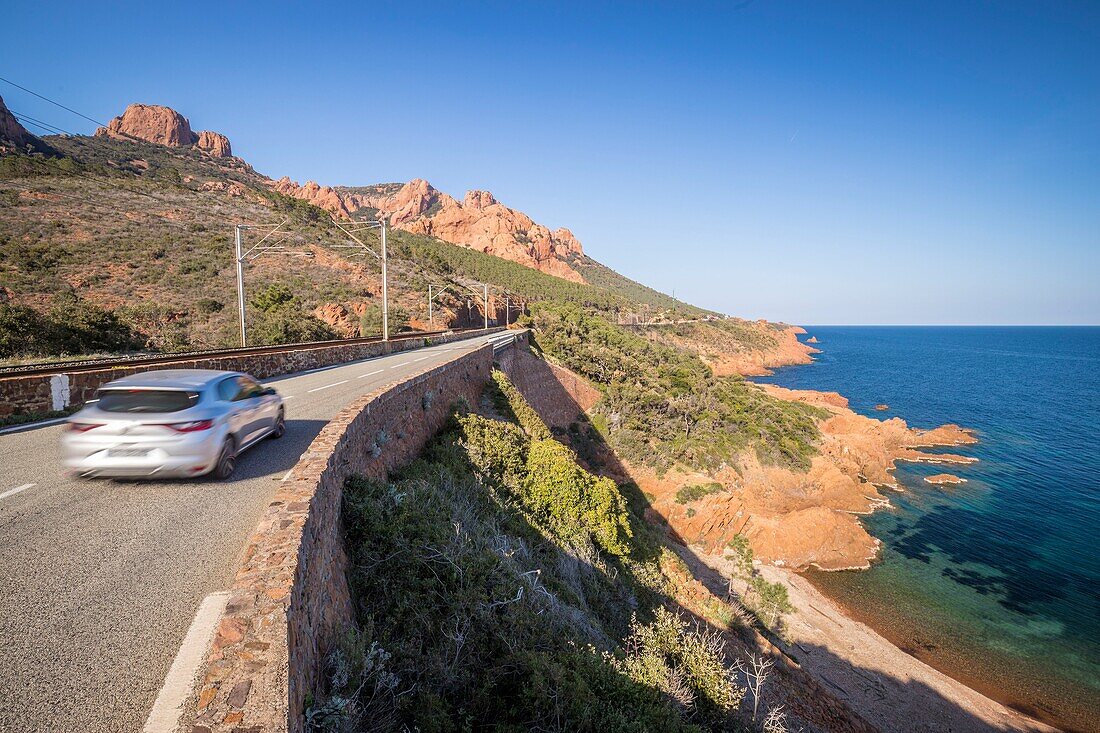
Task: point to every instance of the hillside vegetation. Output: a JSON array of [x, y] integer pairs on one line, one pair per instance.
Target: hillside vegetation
[[663, 406], [145, 233], [499, 585]]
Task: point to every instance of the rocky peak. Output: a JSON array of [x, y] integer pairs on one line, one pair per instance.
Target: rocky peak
[[479, 222], [11, 132], [164, 126], [152, 123], [564, 239], [214, 143], [478, 200], [321, 196]]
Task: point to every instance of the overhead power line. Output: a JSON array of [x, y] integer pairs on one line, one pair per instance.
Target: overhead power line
[[55, 103], [28, 120]]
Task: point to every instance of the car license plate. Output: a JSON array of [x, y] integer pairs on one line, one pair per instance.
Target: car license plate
[[128, 452]]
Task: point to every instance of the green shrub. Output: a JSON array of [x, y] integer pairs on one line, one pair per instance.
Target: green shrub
[[770, 600], [22, 331], [573, 502], [272, 297], [287, 325], [694, 492], [370, 323], [209, 305], [740, 551], [469, 617], [507, 398], [662, 406], [687, 665]]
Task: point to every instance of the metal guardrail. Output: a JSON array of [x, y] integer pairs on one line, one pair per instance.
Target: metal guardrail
[[86, 365], [505, 340]]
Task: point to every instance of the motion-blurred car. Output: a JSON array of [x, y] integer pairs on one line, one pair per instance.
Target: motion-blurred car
[[175, 422]]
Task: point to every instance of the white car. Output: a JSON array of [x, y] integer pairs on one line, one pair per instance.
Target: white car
[[175, 422]]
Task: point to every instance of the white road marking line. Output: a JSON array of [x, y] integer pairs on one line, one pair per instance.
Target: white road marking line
[[404, 363], [334, 384], [33, 425], [371, 374], [288, 397], [173, 696], [421, 358], [16, 490], [287, 475]]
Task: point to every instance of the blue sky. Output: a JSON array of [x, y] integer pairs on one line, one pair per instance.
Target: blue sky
[[841, 162]]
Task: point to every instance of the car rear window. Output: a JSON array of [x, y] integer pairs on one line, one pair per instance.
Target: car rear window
[[146, 400]]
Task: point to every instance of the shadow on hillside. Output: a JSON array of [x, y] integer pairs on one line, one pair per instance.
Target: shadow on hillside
[[882, 702]]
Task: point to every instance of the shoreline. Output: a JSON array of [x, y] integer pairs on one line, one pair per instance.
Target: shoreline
[[891, 688], [831, 640]]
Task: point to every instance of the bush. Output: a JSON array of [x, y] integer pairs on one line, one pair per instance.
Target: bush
[[473, 611], [573, 502], [273, 297], [694, 492], [741, 554], [770, 600], [79, 327], [370, 323], [287, 325], [507, 398], [23, 332], [687, 665], [662, 406]]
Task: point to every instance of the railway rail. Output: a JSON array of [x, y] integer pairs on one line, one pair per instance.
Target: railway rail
[[85, 365]]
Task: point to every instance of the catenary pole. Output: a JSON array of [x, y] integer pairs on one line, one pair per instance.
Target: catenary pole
[[385, 291], [240, 283]]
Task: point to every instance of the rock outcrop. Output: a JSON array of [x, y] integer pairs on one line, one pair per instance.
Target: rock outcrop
[[214, 143], [160, 125], [944, 478], [321, 196], [13, 134], [480, 222], [802, 519]]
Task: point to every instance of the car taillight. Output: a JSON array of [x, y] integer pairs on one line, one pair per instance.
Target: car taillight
[[83, 427], [191, 427]]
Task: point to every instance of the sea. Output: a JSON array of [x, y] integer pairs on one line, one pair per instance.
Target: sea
[[996, 581]]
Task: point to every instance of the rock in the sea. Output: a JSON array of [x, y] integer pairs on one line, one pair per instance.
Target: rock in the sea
[[944, 478], [882, 408], [812, 340]]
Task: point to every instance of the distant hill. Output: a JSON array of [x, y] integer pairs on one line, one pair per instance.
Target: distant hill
[[137, 221]]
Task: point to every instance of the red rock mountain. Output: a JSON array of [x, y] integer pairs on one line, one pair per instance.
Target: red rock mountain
[[11, 132], [164, 126], [479, 222]]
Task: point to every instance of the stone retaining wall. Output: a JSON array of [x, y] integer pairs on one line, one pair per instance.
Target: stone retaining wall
[[290, 600], [46, 393]]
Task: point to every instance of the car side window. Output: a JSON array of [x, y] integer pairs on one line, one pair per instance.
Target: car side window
[[249, 388], [229, 389]]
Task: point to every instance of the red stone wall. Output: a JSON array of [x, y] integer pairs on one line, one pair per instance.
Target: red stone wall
[[290, 598], [557, 394]]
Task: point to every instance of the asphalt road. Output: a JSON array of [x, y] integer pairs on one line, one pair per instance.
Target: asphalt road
[[99, 580]]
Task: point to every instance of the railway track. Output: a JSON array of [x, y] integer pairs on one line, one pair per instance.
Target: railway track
[[85, 365]]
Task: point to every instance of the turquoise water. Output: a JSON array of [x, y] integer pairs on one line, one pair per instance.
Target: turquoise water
[[996, 581]]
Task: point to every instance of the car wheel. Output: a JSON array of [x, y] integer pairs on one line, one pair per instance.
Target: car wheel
[[227, 460], [280, 426]]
